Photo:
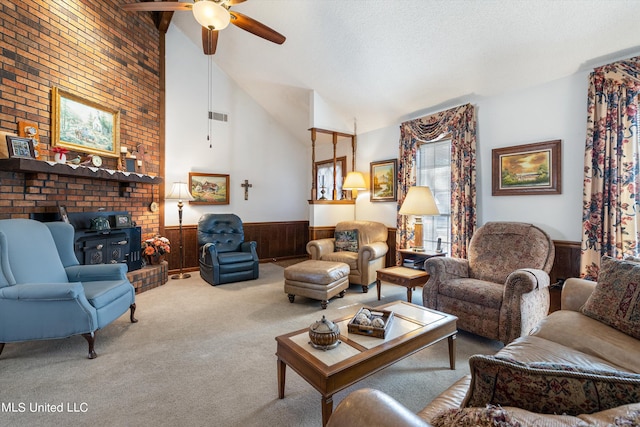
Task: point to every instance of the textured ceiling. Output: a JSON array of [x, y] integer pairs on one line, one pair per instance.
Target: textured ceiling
[[384, 61]]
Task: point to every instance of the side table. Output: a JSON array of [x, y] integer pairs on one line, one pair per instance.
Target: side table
[[418, 257], [403, 276]]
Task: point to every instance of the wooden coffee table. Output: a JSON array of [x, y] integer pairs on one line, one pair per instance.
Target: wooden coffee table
[[412, 329], [403, 276]]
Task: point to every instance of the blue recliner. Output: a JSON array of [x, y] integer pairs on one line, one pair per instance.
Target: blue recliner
[[224, 255], [45, 293]]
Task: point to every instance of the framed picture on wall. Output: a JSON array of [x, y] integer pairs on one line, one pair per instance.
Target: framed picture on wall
[[209, 188], [83, 125], [527, 169], [384, 181]]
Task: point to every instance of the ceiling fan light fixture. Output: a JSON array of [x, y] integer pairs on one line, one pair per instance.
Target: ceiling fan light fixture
[[211, 15]]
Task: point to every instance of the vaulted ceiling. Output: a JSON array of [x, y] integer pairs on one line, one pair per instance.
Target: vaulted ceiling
[[384, 61]]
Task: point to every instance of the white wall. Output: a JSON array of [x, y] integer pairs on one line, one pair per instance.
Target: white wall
[[555, 110], [382, 144], [251, 145]]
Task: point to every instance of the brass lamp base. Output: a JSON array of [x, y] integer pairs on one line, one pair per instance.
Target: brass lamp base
[[181, 276]]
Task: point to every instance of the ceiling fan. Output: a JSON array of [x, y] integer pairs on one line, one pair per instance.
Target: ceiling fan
[[214, 16]]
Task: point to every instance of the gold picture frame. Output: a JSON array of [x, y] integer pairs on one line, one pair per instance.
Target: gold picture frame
[[82, 125], [527, 169], [209, 188], [384, 181]]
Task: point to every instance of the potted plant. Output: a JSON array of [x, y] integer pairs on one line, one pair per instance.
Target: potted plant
[[155, 248]]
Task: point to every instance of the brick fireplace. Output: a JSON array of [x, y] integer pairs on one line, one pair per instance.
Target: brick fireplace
[[108, 57]]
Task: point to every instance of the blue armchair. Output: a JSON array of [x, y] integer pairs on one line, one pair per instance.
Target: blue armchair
[[224, 255], [45, 293]]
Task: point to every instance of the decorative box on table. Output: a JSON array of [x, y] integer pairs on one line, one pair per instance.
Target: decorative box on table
[[374, 327]]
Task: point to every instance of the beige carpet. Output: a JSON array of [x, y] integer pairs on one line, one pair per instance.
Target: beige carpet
[[203, 356]]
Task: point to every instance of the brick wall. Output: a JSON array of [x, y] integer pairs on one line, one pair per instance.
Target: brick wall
[[98, 52]]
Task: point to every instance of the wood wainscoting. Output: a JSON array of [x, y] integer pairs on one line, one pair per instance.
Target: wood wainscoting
[[565, 265], [288, 239], [276, 241]]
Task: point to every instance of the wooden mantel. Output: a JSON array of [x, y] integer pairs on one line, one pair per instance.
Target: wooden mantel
[[16, 164]]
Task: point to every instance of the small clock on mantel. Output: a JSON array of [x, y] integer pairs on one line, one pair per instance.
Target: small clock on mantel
[[92, 160], [96, 161]]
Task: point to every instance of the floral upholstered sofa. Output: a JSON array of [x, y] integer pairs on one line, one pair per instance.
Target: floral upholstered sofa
[[580, 366]]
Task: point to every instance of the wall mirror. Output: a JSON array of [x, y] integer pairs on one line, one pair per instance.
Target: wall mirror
[[324, 178]]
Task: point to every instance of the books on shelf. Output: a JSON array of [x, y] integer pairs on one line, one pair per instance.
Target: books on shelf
[[413, 263]]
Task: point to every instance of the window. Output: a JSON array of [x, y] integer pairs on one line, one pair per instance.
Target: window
[[433, 162]]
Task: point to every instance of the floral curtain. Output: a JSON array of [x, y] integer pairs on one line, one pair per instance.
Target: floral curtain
[[460, 123], [611, 179]]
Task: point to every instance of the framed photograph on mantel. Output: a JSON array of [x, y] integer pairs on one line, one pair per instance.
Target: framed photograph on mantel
[[20, 147], [527, 169], [83, 125], [209, 188], [384, 181]]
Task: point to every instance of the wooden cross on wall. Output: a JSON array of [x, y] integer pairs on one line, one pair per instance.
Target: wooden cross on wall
[[246, 186]]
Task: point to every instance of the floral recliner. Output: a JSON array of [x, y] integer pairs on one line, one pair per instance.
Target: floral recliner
[[502, 290]]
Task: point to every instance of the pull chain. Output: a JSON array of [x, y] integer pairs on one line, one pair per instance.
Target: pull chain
[[209, 101]]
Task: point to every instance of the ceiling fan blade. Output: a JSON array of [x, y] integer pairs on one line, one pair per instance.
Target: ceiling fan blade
[[157, 6], [209, 41], [255, 27]]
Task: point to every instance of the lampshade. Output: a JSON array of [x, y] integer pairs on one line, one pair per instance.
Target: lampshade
[[419, 201], [354, 181], [211, 15], [180, 191]]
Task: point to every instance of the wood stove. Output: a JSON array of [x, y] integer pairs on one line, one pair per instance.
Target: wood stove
[[103, 247], [112, 245]]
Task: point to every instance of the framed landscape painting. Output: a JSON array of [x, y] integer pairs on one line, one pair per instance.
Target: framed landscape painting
[[83, 125], [384, 182], [209, 188], [527, 169]]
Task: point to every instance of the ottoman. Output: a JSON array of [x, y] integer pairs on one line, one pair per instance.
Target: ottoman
[[316, 279]]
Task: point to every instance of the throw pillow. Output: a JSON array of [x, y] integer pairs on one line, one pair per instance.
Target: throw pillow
[[346, 240], [616, 298], [491, 416], [548, 388]]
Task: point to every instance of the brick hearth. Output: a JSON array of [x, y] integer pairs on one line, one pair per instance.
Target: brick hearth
[[149, 277]]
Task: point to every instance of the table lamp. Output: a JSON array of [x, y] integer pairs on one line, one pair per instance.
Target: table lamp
[[419, 201], [354, 181]]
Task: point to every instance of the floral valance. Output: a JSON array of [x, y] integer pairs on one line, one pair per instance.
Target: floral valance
[[460, 124]]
